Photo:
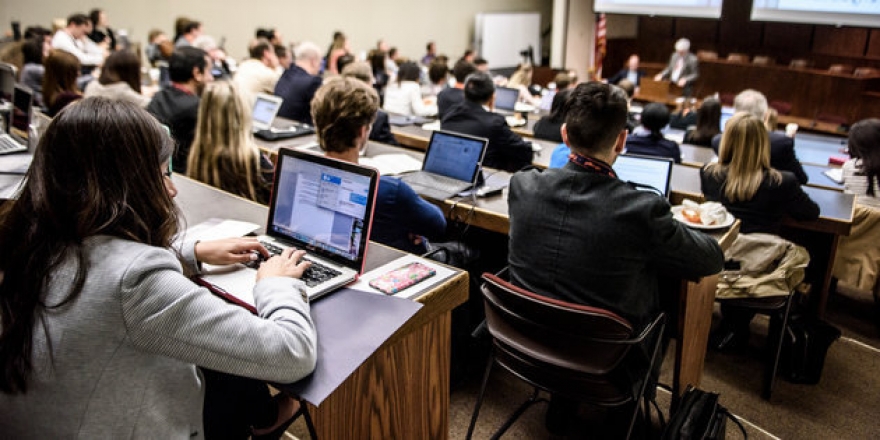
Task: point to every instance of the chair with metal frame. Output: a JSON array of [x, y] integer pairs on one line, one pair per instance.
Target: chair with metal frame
[[579, 352]]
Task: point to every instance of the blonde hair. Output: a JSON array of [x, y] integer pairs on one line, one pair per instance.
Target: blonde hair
[[223, 153], [744, 156]]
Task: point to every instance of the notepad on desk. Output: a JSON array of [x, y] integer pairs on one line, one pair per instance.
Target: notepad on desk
[[392, 164], [835, 174]]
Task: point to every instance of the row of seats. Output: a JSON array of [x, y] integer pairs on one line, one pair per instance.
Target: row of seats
[[798, 63]]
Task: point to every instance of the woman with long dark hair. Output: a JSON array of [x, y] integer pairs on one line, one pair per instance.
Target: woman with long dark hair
[[708, 124], [861, 174], [100, 330], [120, 79]]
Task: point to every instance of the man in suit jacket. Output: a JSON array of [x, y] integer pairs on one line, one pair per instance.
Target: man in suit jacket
[[450, 96], [299, 82], [177, 106], [782, 155], [579, 234], [473, 116], [683, 68], [630, 72]]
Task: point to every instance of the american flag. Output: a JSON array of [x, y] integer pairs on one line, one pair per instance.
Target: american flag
[[601, 44]]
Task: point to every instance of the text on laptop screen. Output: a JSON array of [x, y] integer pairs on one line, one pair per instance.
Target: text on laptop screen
[[321, 206], [21, 111], [505, 98], [653, 172], [264, 111], [453, 156]]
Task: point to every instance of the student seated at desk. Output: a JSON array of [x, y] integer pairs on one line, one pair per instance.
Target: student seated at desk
[[648, 140], [745, 183], [343, 110], [450, 96], [861, 174], [381, 128], [404, 96], [708, 124], [59, 81], [120, 79], [223, 153], [108, 331], [549, 126]]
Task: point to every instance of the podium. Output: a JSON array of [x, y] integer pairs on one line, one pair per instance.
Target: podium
[[659, 91]]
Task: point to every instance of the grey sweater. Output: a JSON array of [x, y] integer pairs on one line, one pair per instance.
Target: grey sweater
[[124, 352]]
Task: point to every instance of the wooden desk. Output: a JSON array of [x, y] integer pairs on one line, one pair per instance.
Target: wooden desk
[[402, 390], [820, 236]]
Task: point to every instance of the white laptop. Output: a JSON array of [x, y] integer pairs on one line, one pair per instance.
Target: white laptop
[[645, 172], [263, 116], [16, 140], [320, 205], [452, 164], [505, 100]]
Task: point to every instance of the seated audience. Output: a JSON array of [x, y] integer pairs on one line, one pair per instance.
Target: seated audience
[[159, 47], [708, 124], [482, 64], [685, 115], [109, 327], [746, 183], [188, 31], [220, 64], [31, 74], [451, 96], [404, 96], [391, 63], [631, 72], [343, 110], [120, 79], [260, 72], [101, 32], [632, 118], [380, 72], [549, 127], [284, 58], [223, 153], [648, 139], [74, 39], [431, 53], [522, 80], [581, 235], [299, 82], [782, 154], [506, 151], [177, 106], [338, 48], [59, 81], [861, 174], [380, 131]]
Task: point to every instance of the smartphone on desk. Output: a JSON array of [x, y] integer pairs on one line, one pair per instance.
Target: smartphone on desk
[[401, 278]]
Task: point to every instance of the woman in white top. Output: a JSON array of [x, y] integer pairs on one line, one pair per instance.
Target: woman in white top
[[861, 174], [404, 96], [120, 79]]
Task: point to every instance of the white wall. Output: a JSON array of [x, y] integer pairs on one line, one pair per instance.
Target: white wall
[[406, 24]]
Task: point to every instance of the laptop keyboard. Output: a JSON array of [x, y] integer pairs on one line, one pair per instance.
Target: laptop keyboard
[[8, 145], [440, 183], [316, 274]]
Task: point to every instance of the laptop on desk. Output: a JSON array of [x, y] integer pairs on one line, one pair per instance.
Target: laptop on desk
[[263, 116], [452, 164], [16, 140], [505, 100], [645, 172], [320, 205]]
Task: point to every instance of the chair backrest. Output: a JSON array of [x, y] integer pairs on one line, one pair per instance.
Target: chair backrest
[[738, 58], [556, 333], [799, 63], [707, 55], [763, 60], [866, 71], [844, 69]]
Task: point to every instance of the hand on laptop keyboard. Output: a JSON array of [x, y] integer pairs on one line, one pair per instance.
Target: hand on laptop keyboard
[[289, 264]]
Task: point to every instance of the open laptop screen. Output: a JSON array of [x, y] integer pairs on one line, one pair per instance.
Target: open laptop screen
[[323, 205], [655, 172], [726, 114], [7, 82], [265, 109], [505, 98], [22, 106], [454, 155]]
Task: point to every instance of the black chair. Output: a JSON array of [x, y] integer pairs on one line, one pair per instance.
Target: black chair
[[579, 352]]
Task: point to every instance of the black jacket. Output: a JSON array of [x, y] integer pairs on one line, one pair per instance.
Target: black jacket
[[591, 239], [773, 201], [782, 155], [447, 98], [547, 129], [506, 150], [179, 111], [381, 131], [297, 87]]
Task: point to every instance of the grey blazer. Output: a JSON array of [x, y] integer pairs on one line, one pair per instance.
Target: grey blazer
[[120, 360], [690, 70]]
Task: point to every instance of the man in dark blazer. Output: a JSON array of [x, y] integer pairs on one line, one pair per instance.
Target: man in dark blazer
[[450, 96], [580, 234], [473, 116], [299, 83], [630, 72], [782, 155]]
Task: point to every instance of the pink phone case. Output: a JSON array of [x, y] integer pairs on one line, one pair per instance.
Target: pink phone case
[[399, 279]]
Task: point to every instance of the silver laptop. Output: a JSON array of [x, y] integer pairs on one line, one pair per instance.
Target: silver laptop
[[16, 140], [505, 100], [452, 164], [645, 172], [319, 205], [265, 109]]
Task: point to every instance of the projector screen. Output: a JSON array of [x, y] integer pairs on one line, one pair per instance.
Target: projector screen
[[837, 12], [676, 8]]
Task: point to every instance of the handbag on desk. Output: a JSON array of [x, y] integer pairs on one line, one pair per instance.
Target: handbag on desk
[[700, 416]]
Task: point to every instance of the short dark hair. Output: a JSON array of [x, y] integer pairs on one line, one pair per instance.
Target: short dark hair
[[268, 34], [343, 61], [78, 19], [557, 109], [864, 140], [281, 50], [191, 26], [428, 46], [256, 51], [182, 62], [36, 32], [462, 69], [562, 80], [409, 71], [655, 116], [392, 52], [32, 50], [479, 87], [437, 71], [595, 114], [95, 15], [339, 109]]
